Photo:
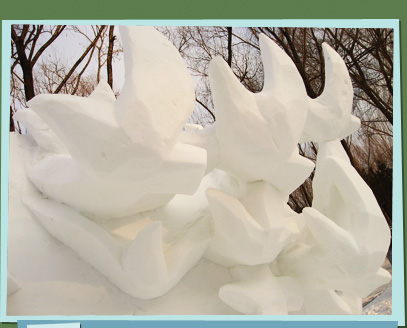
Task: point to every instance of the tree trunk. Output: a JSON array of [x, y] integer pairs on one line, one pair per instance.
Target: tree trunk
[[12, 128], [110, 57], [230, 46], [25, 64], [28, 81]]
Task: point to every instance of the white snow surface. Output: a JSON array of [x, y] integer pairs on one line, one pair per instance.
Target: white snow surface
[[55, 281]]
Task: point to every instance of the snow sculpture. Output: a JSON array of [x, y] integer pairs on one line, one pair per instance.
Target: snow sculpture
[[277, 114], [102, 159], [133, 138]]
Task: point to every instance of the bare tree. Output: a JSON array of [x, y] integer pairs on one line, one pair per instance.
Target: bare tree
[[32, 73], [52, 72], [25, 52]]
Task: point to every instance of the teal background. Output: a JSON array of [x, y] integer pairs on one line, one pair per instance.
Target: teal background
[[223, 10]]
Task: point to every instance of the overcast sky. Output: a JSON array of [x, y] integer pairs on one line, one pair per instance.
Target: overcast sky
[[71, 45]]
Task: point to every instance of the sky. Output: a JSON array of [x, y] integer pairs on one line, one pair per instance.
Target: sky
[[71, 45]]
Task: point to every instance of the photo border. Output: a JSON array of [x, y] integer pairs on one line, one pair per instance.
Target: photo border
[[398, 254]]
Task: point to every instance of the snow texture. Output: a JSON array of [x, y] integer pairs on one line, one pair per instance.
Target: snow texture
[[184, 219], [132, 161]]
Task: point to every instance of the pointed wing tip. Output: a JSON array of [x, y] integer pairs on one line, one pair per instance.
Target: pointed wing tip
[[264, 39], [21, 114], [41, 103], [33, 102], [217, 63], [328, 50], [354, 124], [355, 121], [222, 78], [268, 43], [331, 55], [326, 46]]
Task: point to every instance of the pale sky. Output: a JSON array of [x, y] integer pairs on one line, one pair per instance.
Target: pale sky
[[71, 45]]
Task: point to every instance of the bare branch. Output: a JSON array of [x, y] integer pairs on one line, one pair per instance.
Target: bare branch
[[58, 89]]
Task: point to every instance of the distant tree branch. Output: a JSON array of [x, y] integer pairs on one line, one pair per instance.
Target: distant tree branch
[[206, 107], [34, 40], [78, 79], [57, 32], [77, 63]]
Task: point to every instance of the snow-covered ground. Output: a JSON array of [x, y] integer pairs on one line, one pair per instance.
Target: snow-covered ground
[[381, 304], [380, 300]]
